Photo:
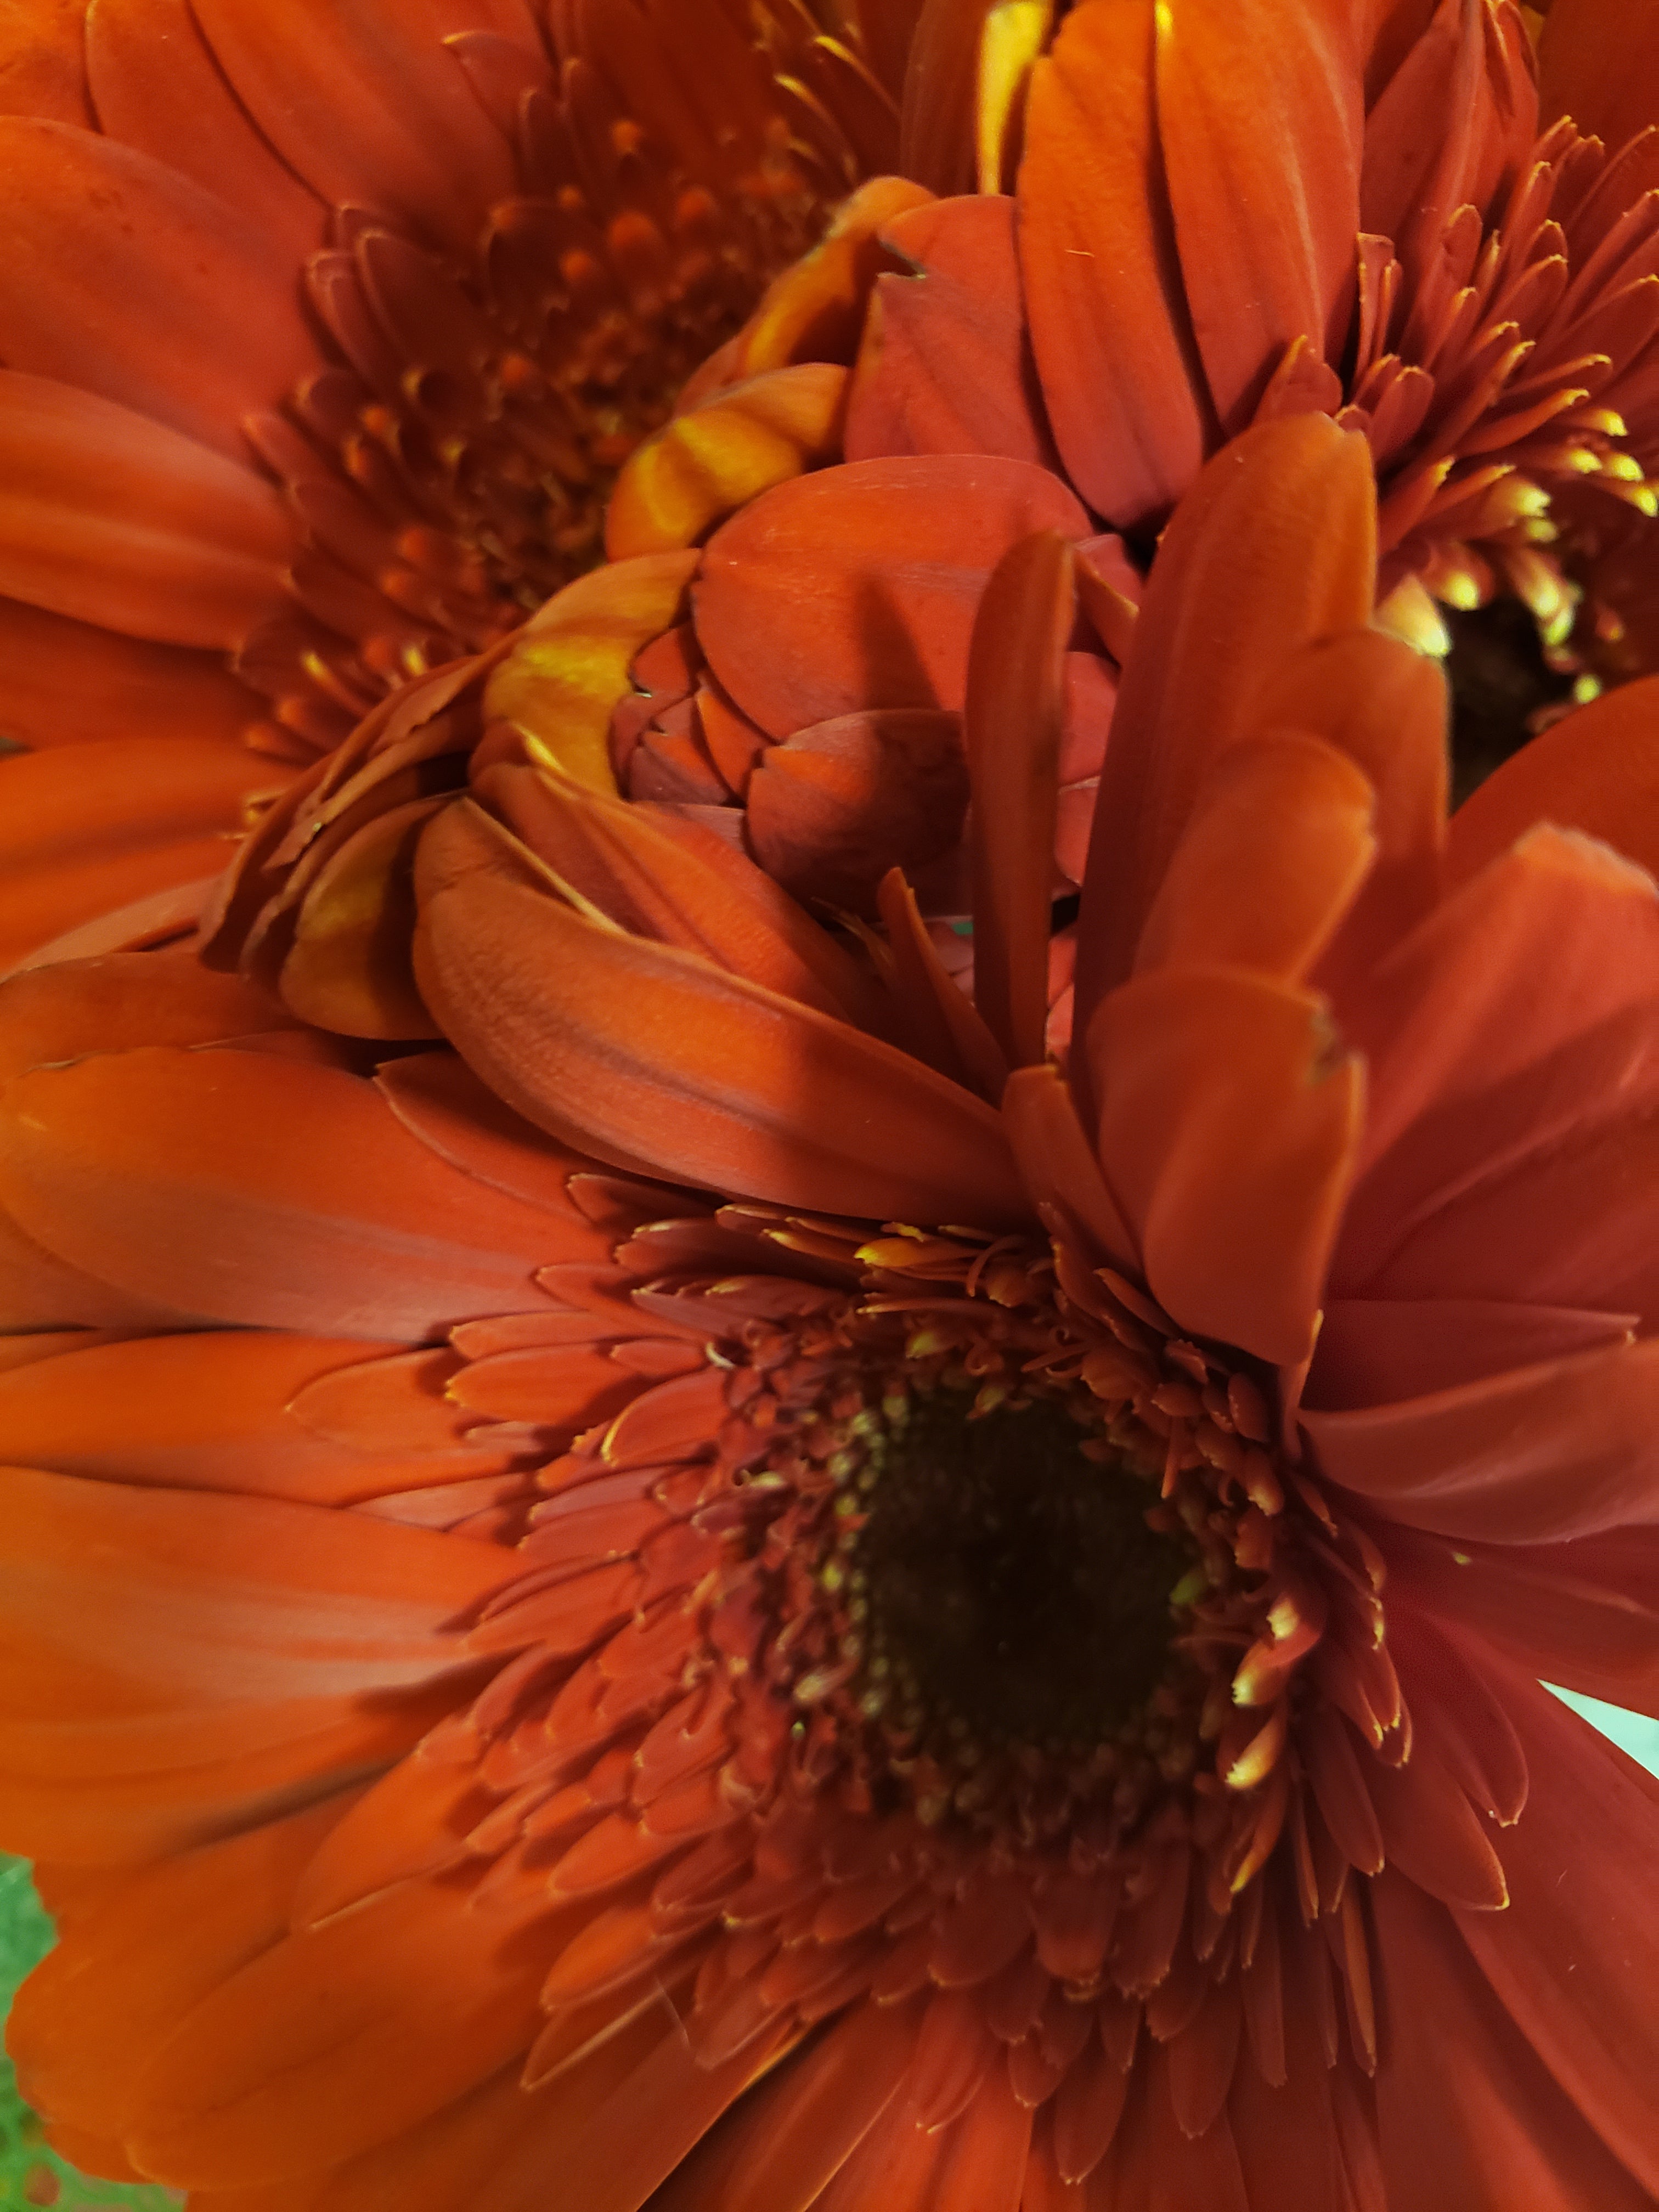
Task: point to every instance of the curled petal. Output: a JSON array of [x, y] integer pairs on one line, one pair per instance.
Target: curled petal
[[644, 1052]]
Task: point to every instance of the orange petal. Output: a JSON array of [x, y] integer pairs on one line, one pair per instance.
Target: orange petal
[[629, 1047], [1012, 728], [708, 462], [1274, 546], [1550, 1451], [815, 310], [114, 519], [264, 1192], [158, 88], [1495, 2128], [1484, 1073], [857, 588], [1228, 1129], [1109, 328], [324, 2045], [349, 969], [1585, 1613], [1599, 65], [659, 876], [1573, 1962], [1259, 127], [121, 1000], [945, 366], [171, 303], [87, 828], [569, 665], [1386, 707], [1594, 770], [67, 682], [44, 71], [379, 116], [236, 1412], [832, 808], [86, 2020], [1278, 843]]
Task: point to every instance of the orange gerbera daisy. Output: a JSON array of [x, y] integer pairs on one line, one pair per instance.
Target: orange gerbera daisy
[[325, 329], [884, 1631]]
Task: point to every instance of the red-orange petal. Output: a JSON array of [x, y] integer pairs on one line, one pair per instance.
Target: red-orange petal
[[111, 518], [264, 1192], [1228, 1131], [647, 1054], [857, 588]]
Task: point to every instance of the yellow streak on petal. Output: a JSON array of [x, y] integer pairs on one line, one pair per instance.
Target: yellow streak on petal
[[572, 660], [1013, 34]]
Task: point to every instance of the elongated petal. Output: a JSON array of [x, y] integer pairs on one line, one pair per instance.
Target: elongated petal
[[708, 462], [170, 302], [324, 2045], [378, 115], [1376, 1351], [1109, 328], [1510, 1043], [1585, 1613], [122, 999], [265, 1192], [1278, 844], [1599, 65], [662, 876], [1273, 548], [1559, 1450], [71, 682], [1228, 1131], [620, 1045], [1385, 707], [832, 808], [161, 1939], [857, 588], [1574, 1965], [158, 88], [1260, 127], [87, 829], [1012, 728], [114, 519], [570, 665], [215, 1411], [1493, 2129]]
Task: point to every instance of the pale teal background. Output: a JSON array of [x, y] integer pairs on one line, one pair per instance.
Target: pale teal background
[[25, 1934]]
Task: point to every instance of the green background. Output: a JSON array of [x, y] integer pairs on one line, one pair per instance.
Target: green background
[[29, 2173]]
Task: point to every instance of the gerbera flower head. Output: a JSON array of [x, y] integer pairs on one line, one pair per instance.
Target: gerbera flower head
[[326, 332], [740, 1596]]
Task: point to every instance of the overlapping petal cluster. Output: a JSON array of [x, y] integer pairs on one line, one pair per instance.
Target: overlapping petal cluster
[[492, 1739], [325, 332], [705, 1508]]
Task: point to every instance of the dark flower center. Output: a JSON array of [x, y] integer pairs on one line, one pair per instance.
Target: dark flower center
[[1016, 1595], [1503, 684]]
